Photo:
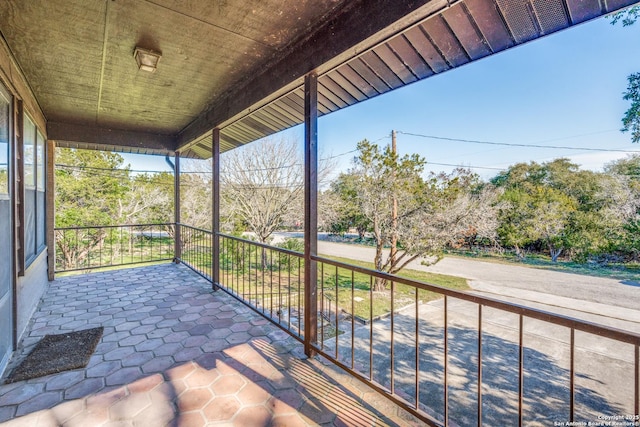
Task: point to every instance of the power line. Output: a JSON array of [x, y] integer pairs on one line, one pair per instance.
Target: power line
[[508, 144], [60, 165], [465, 166], [339, 155]]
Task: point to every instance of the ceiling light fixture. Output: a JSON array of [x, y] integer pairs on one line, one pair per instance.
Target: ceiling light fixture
[[147, 59]]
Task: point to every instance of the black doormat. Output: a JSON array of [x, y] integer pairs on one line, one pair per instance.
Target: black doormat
[[57, 353]]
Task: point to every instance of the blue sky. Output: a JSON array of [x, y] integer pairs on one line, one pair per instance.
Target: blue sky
[[564, 89]]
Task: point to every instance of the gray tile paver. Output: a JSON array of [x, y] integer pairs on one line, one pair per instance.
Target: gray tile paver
[[133, 340], [187, 354], [119, 353], [183, 326], [123, 376], [138, 358], [158, 364], [173, 352], [65, 380], [167, 349], [7, 412], [85, 387], [149, 344], [40, 401]]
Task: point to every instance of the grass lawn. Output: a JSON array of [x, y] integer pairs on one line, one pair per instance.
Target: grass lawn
[[365, 304], [277, 288]]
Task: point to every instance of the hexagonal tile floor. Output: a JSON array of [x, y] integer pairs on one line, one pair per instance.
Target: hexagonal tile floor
[[175, 353]]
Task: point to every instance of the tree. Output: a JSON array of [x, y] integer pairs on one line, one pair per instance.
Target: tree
[[534, 210], [195, 199], [565, 209], [88, 192], [480, 223], [4, 179], [340, 209], [627, 16], [631, 118], [431, 214], [628, 166], [625, 174], [263, 183], [461, 209], [378, 178], [149, 200]]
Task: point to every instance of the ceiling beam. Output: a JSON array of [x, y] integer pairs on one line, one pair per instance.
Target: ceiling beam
[[338, 39], [96, 136]]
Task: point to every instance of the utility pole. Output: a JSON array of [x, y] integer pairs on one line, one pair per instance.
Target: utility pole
[[394, 207]]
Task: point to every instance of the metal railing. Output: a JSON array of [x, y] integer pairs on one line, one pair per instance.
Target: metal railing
[[448, 357], [473, 360], [195, 250], [87, 248], [268, 279]]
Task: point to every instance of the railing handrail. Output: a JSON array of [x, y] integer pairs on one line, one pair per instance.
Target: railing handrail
[[84, 227], [262, 245], [557, 319], [277, 305], [193, 228], [114, 251]]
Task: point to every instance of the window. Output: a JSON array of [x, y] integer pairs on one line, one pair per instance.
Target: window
[[29, 190], [40, 193], [34, 191]]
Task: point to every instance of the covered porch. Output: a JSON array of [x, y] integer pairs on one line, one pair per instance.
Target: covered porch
[[182, 347]]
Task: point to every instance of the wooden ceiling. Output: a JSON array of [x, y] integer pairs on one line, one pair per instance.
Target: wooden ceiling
[[239, 65]]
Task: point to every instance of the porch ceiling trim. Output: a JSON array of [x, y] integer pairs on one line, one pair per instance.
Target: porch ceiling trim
[[70, 135]]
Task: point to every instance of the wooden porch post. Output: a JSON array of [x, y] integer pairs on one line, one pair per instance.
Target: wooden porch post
[[177, 251], [215, 211], [310, 212], [51, 208]]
